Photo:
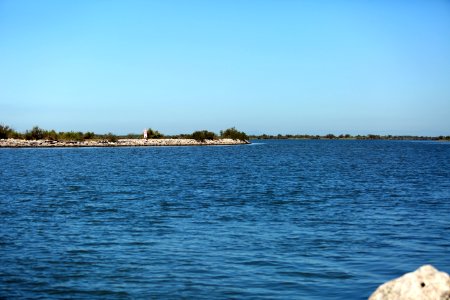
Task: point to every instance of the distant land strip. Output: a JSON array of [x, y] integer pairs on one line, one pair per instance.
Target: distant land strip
[[20, 143], [38, 137], [348, 137]]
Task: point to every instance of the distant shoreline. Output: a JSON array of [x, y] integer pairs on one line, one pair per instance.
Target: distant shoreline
[[19, 143], [351, 138]]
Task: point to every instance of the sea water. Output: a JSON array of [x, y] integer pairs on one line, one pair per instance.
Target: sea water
[[273, 220]]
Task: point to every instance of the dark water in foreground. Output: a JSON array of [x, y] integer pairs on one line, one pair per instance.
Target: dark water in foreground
[[283, 219]]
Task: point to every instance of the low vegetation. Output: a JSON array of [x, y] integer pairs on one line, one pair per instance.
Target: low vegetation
[[154, 134], [230, 133], [37, 133], [7, 132], [203, 135], [233, 133]]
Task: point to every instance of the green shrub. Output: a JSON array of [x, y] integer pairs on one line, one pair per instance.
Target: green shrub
[[7, 132], [71, 136], [51, 135], [111, 137], [133, 136], [16, 135], [233, 133], [153, 134], [88, 135], [35, 134], [203, 135]]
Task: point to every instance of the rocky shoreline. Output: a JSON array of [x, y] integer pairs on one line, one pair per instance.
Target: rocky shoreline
[[18, 143]]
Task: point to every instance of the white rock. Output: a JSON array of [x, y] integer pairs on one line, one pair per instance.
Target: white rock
[[426, 283]]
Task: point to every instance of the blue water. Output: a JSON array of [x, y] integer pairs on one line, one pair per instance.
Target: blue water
[[272, 220]]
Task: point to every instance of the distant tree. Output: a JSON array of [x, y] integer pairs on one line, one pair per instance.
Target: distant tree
[[35, 133], [203, 135], [111, 137], [51, 135], [71, 136], [153, 134], [233, 133], [330, 136], [88, 135], [6, 132], [373, 137]]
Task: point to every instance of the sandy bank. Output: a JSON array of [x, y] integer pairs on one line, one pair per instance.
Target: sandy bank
[[15, 143]]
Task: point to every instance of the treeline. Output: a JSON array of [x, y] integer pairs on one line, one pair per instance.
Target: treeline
[[37, 133], [202, 135], [348, 137]]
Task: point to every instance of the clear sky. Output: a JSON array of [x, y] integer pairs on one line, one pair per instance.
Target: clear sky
[[280, 66]]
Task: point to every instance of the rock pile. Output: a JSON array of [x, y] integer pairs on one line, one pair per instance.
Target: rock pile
[[426, 283], [16, 143]]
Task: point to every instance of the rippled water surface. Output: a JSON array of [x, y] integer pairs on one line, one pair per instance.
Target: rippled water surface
[[278, 219]]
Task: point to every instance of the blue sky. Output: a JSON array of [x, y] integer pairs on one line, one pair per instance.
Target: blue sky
[[286, 66]]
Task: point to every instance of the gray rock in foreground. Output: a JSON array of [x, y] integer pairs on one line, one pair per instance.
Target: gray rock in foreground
[[425, 283]]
